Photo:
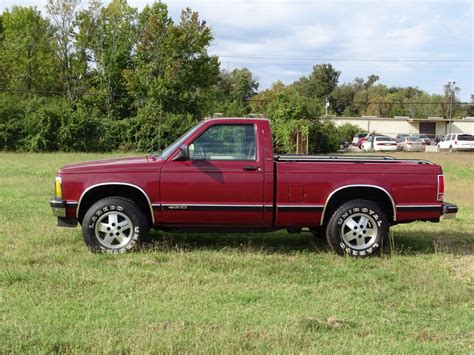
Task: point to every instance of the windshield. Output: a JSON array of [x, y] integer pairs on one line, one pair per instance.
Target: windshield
[[177, 143]]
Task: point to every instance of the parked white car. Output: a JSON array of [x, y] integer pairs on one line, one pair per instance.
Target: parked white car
[[457, 141], [379, 144]]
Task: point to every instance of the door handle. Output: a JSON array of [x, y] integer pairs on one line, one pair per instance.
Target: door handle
[[251, 168]]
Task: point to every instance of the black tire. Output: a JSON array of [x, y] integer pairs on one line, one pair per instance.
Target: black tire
[[122, 225], [346, 237]]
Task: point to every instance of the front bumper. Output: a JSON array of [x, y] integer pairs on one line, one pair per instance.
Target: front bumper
[[58, 207], [449, 210]]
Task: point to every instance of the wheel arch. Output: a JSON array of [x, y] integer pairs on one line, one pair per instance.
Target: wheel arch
[[359, 191], [97, 192]]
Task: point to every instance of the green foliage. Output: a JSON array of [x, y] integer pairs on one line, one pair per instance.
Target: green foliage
[[324, 137], [172, 66], [27, 60], [234, 91], [152, 130], [289, 113], [320, 83], [11, 119], [109, 35], [347, 132], [49, 124]]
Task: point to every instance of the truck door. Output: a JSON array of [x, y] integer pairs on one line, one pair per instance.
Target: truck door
[[222, 181]]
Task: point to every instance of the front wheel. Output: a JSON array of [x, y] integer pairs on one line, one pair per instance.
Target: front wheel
[[114, 225], [358, 228]]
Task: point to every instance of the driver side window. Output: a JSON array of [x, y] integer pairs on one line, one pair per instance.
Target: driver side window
[[225, 142]]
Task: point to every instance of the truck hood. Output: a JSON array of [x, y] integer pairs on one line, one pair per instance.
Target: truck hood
[[113, 165]]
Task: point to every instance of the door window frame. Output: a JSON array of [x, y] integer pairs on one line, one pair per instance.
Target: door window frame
[[230, 160]]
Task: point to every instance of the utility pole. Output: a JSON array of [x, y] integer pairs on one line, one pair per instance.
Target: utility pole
[[327, 106], [451, 98]]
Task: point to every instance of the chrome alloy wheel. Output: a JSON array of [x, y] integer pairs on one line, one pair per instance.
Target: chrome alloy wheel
[[113, 230], [359, 231]]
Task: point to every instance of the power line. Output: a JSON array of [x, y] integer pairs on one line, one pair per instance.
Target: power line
[[388, 102], [348, 59]]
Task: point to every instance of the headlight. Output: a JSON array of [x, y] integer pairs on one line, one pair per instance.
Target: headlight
[[58, 187]]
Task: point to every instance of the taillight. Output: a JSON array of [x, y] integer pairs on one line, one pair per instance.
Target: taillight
[[440, 194]]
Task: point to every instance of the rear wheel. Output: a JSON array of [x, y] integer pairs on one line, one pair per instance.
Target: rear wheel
[[114, 225], [358, 228]]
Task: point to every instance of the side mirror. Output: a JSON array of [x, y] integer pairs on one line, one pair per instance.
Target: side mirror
[[183, 153]]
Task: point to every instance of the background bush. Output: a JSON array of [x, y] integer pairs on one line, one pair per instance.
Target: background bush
[[41, 124]]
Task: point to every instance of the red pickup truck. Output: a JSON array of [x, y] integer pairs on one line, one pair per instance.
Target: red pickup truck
[[222, 175]]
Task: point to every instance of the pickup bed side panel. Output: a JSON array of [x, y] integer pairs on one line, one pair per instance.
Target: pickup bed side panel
[[303, 188]]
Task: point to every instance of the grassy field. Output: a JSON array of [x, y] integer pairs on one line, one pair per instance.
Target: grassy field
[[230, 293]]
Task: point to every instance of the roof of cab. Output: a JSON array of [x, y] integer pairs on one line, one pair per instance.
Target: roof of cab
[[239, 119]]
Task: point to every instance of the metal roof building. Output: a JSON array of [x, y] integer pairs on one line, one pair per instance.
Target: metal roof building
[[402, 124]]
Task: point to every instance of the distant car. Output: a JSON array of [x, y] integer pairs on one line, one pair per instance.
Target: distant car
[[438, 139], [358, 136], [358, 139], [431, 137], [401, 136], [411, 144], [425, 139], [379, 144], [457, 141]]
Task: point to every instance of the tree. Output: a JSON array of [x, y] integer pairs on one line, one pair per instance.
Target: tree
[[470, 107], [259, 102], [108, 37], [371, 79], [342, 100], [234, 91], [172, 66], [62, 13], [290, 114], [320, 83], [27, 52], [3, 64], [451, 107]]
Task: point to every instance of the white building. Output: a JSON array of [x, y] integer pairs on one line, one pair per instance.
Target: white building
[[393, 126]]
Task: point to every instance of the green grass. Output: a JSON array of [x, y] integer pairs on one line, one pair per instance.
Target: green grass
[[229, 293]]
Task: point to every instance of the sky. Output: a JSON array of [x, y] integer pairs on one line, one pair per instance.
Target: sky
[[419, 43]]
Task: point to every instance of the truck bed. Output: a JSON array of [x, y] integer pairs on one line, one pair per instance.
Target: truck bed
[[348, 158]]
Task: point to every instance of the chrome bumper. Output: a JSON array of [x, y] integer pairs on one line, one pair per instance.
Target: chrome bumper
[[449, 210], [58, 207]]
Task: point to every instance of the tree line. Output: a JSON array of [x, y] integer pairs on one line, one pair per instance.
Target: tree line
[[112, 77]]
